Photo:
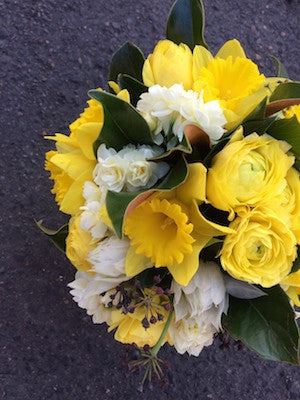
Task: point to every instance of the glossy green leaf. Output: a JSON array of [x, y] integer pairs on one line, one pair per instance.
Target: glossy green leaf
[[287, 129], [122, 123], [186, 23], [57, 237], [127, 60], [266, 325], [287, 90], [117, 203], [280, 68], [134, 87]]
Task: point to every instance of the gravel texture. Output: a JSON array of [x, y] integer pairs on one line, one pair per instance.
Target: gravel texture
[[52, 52]]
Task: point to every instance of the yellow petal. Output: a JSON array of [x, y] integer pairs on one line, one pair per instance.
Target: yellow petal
[[201, 58], [124, 95], [63, 143], [73, 163], [194, 188], [231, 48], [148, 77], [86, 134], [73, 199], [183, 273], [204, 227], [114, 86], [136, 263]]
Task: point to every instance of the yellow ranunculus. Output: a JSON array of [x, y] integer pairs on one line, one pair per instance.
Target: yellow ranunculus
[[262, 249], [291, 284], [249, 172], [231, 78], [129, 328], [169, 64], [291, 200], [78, 244]]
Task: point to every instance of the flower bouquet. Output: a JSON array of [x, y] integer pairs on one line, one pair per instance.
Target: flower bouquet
[[183, 188]]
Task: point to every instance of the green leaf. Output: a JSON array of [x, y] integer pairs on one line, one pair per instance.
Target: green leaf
[[260, 127], [215, 150], [127, 60], [296, 264], [122, 123], [186, 23], [280, 68], [57, 237], [134, 87], [257, 114], [287, 90], [287, 129], [117, 203], [266, 325]]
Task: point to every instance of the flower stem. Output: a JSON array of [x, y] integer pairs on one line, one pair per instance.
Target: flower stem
[[155, 349]]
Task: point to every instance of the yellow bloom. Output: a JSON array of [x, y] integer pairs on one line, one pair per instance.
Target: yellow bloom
[[129, 326], [250, 172], [291, 284], [231, 78], [78, 244], [291, 111], [262, 249], [169, 64], [169, 229], [291, 200]]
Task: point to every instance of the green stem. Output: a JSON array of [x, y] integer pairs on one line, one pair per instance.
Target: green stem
[[155, 349]]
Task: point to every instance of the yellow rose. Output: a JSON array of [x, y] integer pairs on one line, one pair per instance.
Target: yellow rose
[[291, 200], [78, 244], [291, 284], [250, 172], [129, 326], [169, 64], [262, 249]]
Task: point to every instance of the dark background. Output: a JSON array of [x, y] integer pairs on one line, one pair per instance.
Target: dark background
[[52, 52]]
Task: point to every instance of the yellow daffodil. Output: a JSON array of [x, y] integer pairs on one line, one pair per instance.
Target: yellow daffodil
[[73, 161], [78, 245], [169, 230], [231, 78], [291, 111]]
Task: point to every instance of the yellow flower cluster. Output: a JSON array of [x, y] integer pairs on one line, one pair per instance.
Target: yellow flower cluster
[[229, 77], [254, 180]]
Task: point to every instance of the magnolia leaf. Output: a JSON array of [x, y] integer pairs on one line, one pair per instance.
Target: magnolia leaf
[[280, 68], [118, 203], [127, 60], [266, 325], [122, 123], [214, 151], [286, 90], [260, 127], [242, 290], [186, 23], [57, 237], [184, 146], [287, 129], [134, 87]]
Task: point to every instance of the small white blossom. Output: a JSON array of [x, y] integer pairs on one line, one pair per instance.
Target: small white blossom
[[165, 108], [108, 262], [198, 309], [88, 297]]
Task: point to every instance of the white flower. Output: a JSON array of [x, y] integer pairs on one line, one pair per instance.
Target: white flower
[[175, 107], [90, 219], [110, 172], [84, 292], [198, 309], [108, 261]]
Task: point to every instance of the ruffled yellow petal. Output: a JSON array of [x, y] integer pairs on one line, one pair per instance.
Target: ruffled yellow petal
[[231, 48]]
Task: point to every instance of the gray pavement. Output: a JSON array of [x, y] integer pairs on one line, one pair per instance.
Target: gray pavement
[[51, 53]]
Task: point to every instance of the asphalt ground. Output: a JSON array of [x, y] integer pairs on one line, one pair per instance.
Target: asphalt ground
[[52, 52]]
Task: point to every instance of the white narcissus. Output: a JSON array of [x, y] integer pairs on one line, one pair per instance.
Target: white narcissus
[[198, 309]]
